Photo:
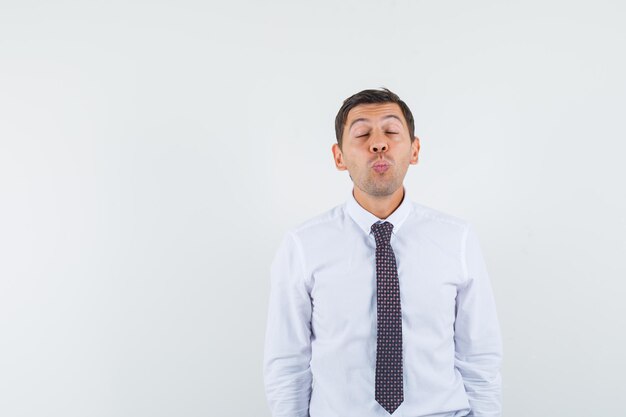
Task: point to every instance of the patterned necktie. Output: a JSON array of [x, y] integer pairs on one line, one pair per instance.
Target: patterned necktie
[[389, 392]]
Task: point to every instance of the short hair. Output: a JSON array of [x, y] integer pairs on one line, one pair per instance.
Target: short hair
[[370, 97]]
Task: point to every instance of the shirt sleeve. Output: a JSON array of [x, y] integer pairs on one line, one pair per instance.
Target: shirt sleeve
[[287, 354], [478, 344]]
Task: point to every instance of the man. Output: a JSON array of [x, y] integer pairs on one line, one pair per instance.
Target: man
[[381, 306]]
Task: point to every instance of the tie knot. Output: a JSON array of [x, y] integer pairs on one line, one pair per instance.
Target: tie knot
[[382, 233]]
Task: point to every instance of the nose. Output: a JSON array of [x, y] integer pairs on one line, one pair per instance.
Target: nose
[[379, 144]]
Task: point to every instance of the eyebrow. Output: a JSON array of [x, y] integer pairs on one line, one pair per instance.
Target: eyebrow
[[361, 119]]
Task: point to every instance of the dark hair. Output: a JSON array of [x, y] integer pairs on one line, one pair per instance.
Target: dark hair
[[369, 97]]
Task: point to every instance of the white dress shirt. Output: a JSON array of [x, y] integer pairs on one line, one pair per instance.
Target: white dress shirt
[[320, 342]]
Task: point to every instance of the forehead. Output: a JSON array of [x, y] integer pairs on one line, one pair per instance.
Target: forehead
[[374, 112]]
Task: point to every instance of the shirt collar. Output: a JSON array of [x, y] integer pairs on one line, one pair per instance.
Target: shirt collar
[[365, 219]]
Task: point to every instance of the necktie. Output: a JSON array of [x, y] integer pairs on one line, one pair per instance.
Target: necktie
[[389, 392]]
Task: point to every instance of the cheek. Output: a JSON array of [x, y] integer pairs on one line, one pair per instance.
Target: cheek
[[349, 158], [403, 160]]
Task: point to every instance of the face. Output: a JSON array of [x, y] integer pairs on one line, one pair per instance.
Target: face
[[377, 148]]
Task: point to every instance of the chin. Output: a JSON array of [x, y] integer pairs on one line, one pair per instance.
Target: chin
[[379, 191]]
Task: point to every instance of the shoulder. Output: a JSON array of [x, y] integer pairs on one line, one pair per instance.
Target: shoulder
[[430, 214], [426, 220], [321, 224]]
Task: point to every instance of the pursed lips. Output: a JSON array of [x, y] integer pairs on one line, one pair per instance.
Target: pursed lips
[[381, 166], [380, 163]]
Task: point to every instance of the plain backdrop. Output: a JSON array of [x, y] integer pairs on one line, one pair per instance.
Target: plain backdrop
[[153, 154]]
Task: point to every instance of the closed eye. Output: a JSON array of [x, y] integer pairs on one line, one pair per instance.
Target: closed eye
[[393, 133]]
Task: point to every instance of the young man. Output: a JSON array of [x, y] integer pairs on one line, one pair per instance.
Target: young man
[[381, 306]]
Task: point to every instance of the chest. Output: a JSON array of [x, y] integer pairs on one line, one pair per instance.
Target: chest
[[343, 290]]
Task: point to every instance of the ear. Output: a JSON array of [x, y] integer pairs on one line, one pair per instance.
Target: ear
[[415, 150], [338, 157]]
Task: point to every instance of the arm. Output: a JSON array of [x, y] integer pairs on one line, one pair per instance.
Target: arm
[[478, 344], [287, 356]]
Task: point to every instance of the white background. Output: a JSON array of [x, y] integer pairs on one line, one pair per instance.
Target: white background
[[153, 153]]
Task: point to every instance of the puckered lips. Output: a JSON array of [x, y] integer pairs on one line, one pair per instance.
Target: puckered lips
[[380, 165]]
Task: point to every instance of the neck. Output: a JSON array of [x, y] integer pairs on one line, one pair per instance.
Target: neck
[[381, 207]]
